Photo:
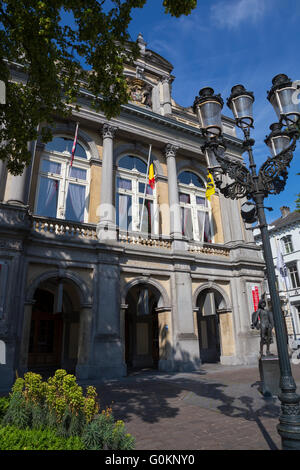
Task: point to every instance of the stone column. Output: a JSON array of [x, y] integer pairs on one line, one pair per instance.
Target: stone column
[[186, 354], [166, 96], [17, 187], [108, 357], [84, 343], [106, 229], [175, 215]]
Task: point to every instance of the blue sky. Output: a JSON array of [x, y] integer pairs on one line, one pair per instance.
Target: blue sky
[[224, 43]]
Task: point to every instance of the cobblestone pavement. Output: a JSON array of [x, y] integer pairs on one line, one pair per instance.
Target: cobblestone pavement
[[217, 408]]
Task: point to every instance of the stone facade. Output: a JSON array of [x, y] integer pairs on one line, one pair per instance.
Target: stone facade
[[124, 299]]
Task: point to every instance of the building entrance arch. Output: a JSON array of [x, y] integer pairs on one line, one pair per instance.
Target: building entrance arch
[[142, 328], [54, 329], [46, 329], [210, 304]]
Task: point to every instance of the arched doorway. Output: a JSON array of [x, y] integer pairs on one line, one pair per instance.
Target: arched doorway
[[210, 303], [54, 328], [142, 327], [45, 340]]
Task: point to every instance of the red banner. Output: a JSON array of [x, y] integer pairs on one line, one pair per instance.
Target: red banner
[[255, 297]]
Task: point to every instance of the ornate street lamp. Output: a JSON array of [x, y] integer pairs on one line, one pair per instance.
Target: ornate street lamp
[[235, 180], [209, 107]]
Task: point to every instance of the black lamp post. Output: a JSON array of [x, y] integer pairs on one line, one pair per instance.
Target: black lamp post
[[256, 186]]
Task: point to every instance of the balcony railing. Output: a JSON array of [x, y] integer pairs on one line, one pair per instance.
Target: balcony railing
[[46, 225], [208, 249], [67, 228], [144, 239]]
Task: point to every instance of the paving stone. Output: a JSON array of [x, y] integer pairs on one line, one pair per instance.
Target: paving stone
[[219, 408]]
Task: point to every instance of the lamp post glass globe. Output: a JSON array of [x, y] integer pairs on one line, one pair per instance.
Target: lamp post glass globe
[[283, 96], [277, 140], [241, 104], [209, 107]]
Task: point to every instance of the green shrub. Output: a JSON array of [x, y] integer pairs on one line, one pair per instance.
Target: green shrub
[[4, 404], [102, 433], [18, 412], [120, 440], [97, 433], [12, 438], [59, 407]]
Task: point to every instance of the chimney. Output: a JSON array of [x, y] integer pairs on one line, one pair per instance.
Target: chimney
[[284, 211]]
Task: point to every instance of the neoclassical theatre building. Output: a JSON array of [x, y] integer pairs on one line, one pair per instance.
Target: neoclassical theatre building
[[100, 273]]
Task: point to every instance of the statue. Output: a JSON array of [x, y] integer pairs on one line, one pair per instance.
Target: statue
[[263, 320], [147, 101]]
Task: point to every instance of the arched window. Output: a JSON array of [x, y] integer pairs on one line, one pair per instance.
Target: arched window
[[62, 189], [195, 213], [136, 208]]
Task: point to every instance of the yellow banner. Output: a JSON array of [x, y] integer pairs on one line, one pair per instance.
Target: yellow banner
[[210, 186]]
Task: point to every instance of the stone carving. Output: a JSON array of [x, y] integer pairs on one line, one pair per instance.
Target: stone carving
[[140, 92], [14, 216], [263, 320], [108, 131], [170, 150]]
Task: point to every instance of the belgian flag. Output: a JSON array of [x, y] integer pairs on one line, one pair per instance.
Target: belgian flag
[[151, 176]]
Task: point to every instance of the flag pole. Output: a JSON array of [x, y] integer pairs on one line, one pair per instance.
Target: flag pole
[[147, 176], [74, 145]]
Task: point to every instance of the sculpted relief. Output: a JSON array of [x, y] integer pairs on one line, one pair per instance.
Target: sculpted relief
[[140, 92]]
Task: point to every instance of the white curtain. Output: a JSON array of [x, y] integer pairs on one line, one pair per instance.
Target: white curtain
[[48, 195], [124, 212], [148, 216], [75, 202], [186, 220], [201, 219]]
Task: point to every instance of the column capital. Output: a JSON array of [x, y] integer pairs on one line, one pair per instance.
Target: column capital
[[108, 130], [170, 150]]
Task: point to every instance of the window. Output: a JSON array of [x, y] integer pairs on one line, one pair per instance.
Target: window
[[287, 244], [136, 207], [195, 215], [63, 189], [294, 276]]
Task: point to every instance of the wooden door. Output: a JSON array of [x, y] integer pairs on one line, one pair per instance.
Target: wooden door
[[45, 345]]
